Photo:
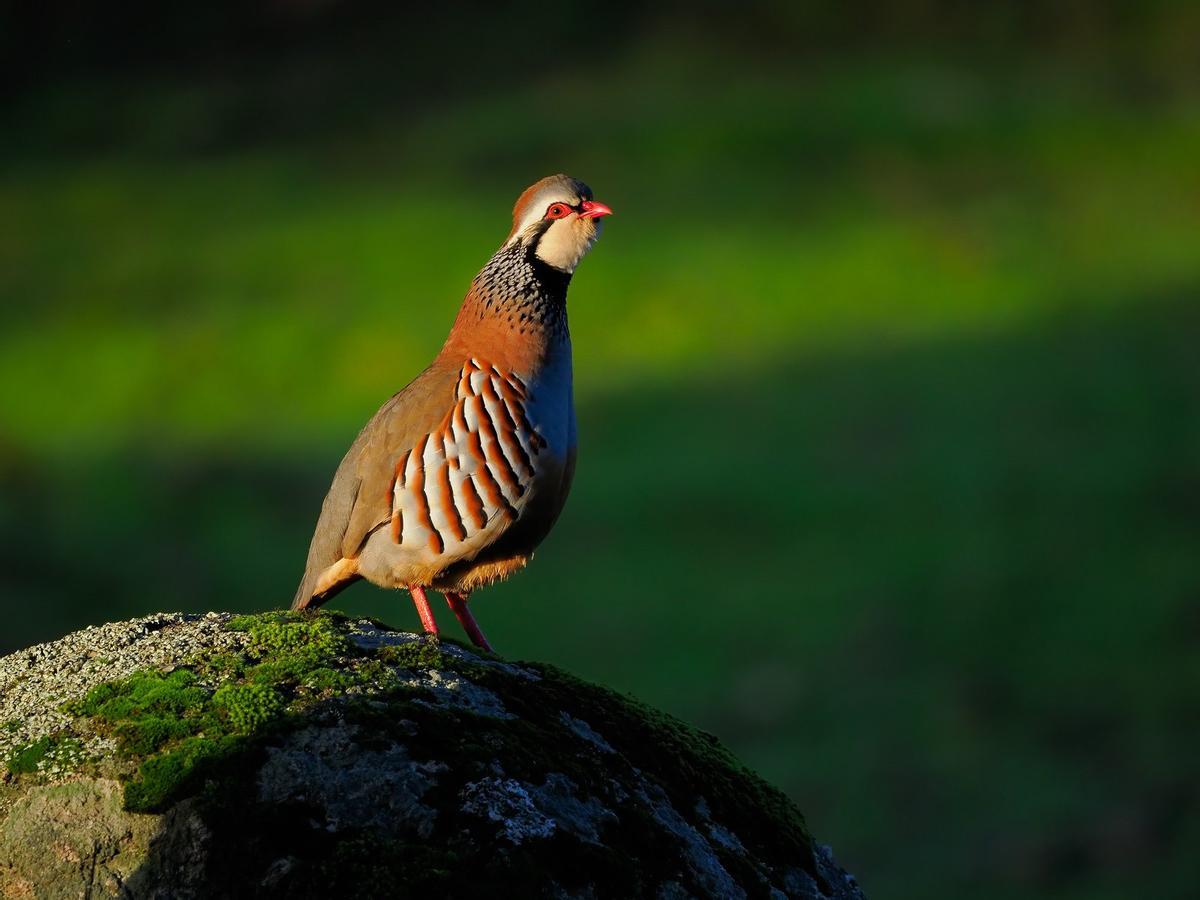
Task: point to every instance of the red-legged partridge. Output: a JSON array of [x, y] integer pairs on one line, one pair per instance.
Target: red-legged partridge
[[458, 477]]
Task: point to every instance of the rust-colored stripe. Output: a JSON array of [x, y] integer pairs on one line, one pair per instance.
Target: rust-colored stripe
[[402, 468], [475, 448], [514, 380], [448, 507], [516, 408], [445, 438], [508, 428], [418, 458], [511, 394], [422, 501], [390, 496], [491, 448], [474, 504], [524, 424], [495, 496]]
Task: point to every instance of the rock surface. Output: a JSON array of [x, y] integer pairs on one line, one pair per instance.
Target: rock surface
[[279, 756]]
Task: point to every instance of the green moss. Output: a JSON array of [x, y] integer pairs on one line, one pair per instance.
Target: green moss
[[377, 674], [61, 748], [25, 759], [242, 623], [422, 654], [283, 670], [163, 778], [178, 726], [287, 649], [151, 692], [146, 734], [325, 680], [283, 632], [147, 709], [249, 706], [225, 665]]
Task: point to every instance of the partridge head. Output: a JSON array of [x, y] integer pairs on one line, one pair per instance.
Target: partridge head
[[559, 220], [457, 478]]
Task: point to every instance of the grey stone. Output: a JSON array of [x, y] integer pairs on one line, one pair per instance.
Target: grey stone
[[391, 768], [348, 785]]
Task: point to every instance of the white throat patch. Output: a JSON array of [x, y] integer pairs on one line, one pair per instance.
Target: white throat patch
[[566, 242]]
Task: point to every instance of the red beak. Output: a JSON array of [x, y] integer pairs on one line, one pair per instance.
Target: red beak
[[593, 210]]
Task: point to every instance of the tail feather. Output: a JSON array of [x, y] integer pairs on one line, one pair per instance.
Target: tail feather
[[326, 585], [305, 598], [325, 550]]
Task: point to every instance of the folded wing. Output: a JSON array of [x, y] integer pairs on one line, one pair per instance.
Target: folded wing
[[445, 466]]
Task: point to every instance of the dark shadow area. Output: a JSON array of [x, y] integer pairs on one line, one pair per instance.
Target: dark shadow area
[[199, 80], [944, 594]]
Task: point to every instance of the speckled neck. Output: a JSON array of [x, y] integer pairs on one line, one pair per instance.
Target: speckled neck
[[518, 288]]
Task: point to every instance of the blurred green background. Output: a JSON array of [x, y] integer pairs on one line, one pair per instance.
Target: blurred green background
[[887, 364]]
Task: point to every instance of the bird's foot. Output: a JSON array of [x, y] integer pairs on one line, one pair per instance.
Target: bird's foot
[[424, 610], [462, 612]]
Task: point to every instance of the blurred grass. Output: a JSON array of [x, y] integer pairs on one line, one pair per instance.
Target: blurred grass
[[771, 215], [889, 409]]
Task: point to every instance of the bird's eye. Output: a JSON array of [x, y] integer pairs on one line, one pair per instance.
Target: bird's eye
[[557, 211]]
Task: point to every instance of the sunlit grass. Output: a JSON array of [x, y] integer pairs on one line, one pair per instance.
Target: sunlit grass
[[286, 293]]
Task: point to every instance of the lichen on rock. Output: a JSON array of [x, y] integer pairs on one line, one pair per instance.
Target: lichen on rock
[[295, 756]]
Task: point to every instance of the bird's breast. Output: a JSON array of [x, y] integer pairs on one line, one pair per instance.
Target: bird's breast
[[551, 405]]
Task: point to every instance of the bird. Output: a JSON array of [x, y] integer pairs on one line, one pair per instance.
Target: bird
[[457, 478]]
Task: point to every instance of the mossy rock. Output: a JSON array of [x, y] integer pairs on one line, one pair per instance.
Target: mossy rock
[[287, 756]]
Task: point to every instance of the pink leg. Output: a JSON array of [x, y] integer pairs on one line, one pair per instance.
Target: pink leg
[[458, 603], [423, 609]]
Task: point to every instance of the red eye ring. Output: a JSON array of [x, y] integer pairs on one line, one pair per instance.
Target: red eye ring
[[558, 211]]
